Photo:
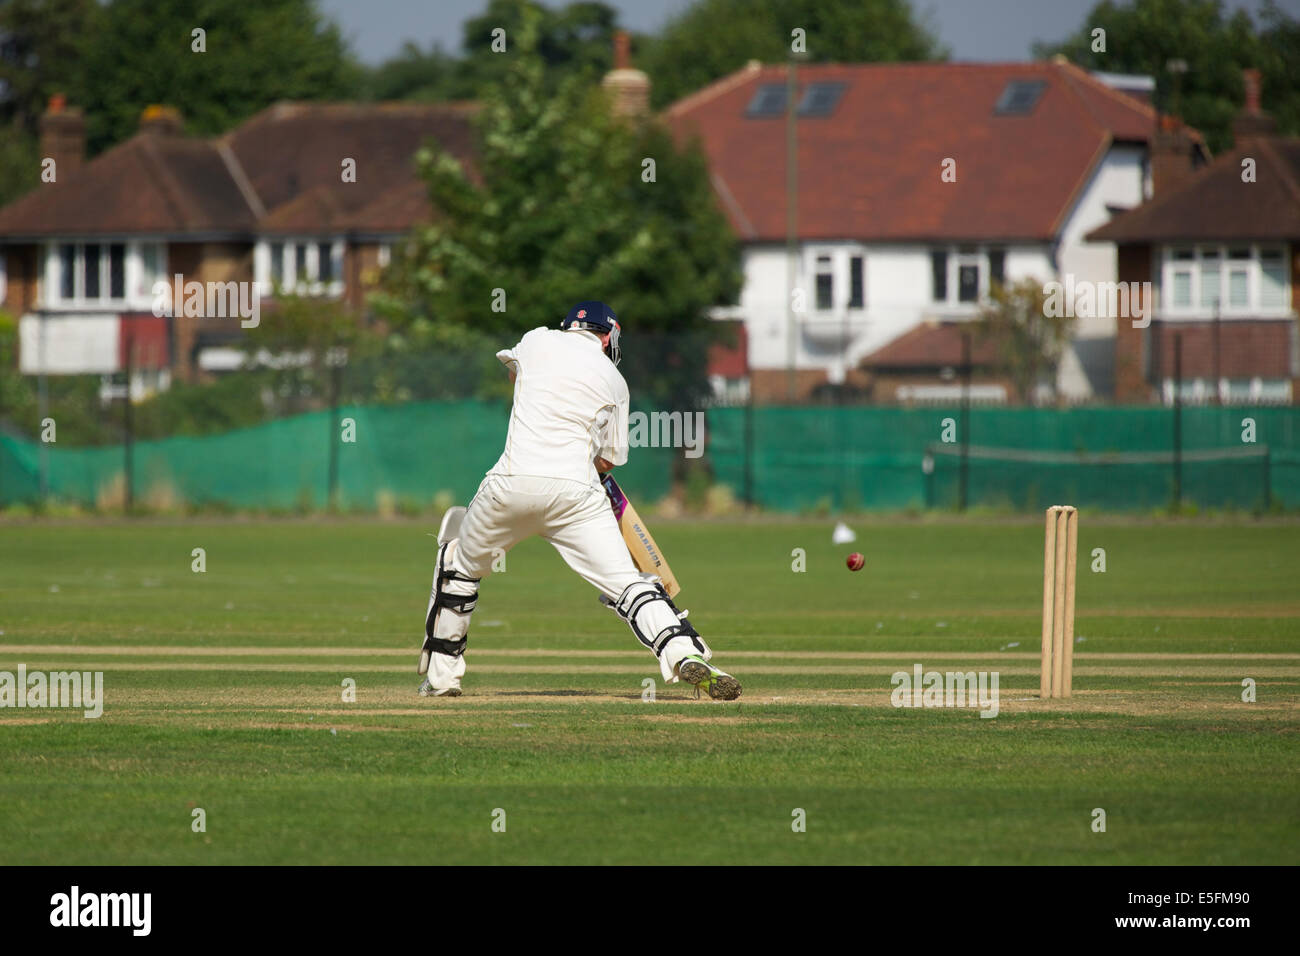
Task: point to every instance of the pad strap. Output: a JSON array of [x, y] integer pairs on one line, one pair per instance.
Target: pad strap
[[450, 648], [460, 603], [638, 599]]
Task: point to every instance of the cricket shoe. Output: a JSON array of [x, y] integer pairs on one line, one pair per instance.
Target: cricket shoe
[[719, 684], [428, 690]]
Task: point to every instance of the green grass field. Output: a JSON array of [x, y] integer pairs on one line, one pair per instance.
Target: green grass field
[[224, 691]]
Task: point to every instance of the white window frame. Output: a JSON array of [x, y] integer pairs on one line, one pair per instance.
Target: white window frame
[[4, 275], [1200, 309], [957, 260], [841, 280], [132, 273], [135, 270], [309, 283], [958, 255], [823, 266], [848, 280]]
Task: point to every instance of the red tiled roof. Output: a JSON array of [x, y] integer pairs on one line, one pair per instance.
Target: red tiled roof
[[1217, 204], [150, 184], [394, 211], [294, 150], [871, 170], [930, 345], [319, 209], [279, 172]]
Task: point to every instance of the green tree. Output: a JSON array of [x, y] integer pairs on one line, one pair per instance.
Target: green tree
[[19, 163], [1147, 36], [416, 75], [716, 37], [15, 396], [42, 47], [313, 339], [1279, 62], [1030, 342], [559, 210], [574, 40], [257, 53], [71, 400]]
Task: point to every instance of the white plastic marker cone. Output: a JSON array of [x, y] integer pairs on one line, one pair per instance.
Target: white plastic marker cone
[[843, 534]]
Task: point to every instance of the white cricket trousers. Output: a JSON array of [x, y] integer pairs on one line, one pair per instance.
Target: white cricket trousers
[[578, 520], [575, 517]]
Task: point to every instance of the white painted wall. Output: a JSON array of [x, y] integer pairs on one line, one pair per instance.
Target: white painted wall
[[1030, 262], [73, 344], [898, 286], [898, 296], [1118, 180]]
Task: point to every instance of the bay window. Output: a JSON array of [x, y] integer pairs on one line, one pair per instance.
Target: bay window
[[1272, 278], [1235, 278], [83, 275]]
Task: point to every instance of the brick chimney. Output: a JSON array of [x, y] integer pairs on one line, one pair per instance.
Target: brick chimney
[[63, 135], [1175, 157], [1252, 122], [628, 88], [161, 120], [1250, 80]]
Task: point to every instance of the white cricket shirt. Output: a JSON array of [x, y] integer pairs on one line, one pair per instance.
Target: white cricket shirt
[[571, 404]]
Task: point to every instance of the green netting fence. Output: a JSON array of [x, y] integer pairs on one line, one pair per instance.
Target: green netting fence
[[399, 456], [1113, 458], [779, 458]]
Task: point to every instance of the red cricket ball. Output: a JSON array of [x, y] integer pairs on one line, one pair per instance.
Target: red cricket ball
[[856, 561]]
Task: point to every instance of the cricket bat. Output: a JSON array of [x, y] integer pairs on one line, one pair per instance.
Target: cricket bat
[[645, 553]]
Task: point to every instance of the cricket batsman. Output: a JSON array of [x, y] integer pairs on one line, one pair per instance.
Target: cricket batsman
[[568, 426]]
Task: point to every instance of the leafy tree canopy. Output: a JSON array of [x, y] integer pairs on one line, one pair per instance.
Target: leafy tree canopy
[[142, 52], [43, 44], [716, 37], [1030, 341], [19, 163], [576, 39], [563, 205], [1148, 36]]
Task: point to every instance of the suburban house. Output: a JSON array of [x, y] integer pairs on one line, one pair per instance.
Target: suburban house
[[916, 186], [1222, 255], [303, 196]]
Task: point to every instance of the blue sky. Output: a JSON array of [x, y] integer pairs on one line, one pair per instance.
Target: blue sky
[[971, 29]]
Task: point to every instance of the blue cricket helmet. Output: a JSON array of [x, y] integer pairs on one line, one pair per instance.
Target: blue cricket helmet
[[597, 317]]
